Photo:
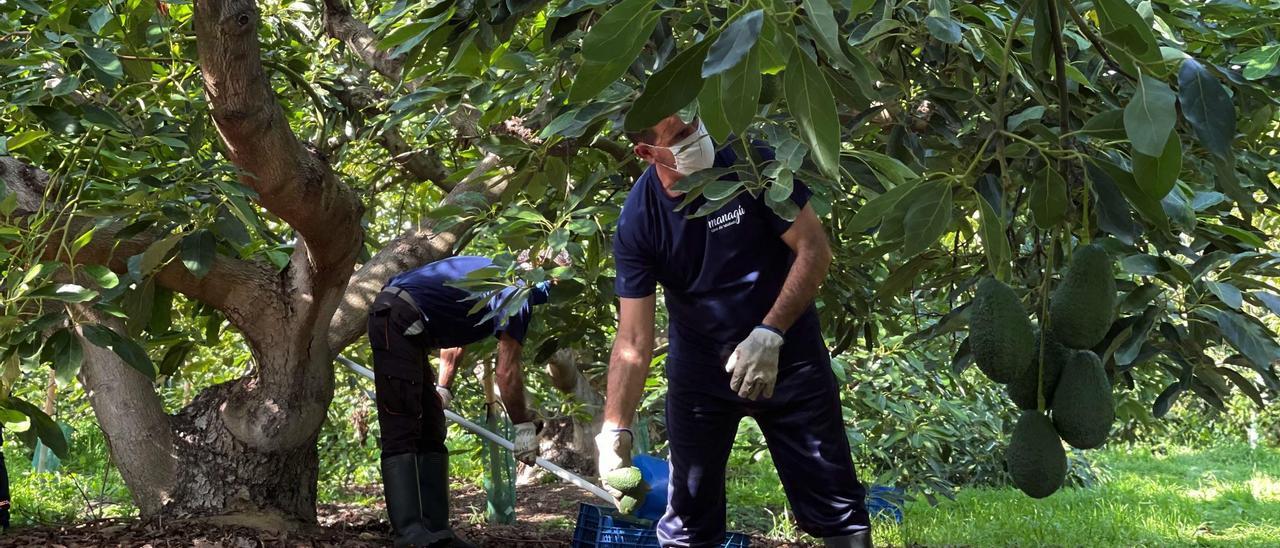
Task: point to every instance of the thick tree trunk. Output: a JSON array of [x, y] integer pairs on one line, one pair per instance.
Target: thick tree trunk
[[220, 475], [565, 440], [133, 420]]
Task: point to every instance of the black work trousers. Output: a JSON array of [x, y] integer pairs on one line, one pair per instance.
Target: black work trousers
[[410, 414]]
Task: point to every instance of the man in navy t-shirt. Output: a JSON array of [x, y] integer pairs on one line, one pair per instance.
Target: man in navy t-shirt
[[744, 341], [416, 312]]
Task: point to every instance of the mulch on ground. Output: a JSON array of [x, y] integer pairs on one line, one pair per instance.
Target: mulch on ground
[[547, 514]]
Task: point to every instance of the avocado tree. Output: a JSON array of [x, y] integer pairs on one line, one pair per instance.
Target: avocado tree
[[268, 165]]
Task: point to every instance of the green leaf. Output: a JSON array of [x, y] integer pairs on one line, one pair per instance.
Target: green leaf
[[1149, 116], [711, 109], [611, 45], [573, 6], [100, 18], [1259, 62], [927, 217], [104, 118], [1048, 198], [1270, 300], [887, 167], [670, 89], [14, 421], [1207, 107], [105, 278], [776, 42], [1123, 25], [859, 7], [25, 138], [905, 276], [720, 190], [1140, 297], [174, 358], [782, 186], [874, 211], [877, 30], [814, 107], [411, 31], [740, 93], [1110, 206], [198, 251], [1243, 384], [1156, 175], [1149, 208], [67, 355], [994, 242], [940, 23], [47, 430], [104, 60], [1178, 209], [157, 253], [1227, 293], [1245, 237], [1166, 399], [827, 32], [1031, 114], [732, 46], [1042, 39], [70, 293], [128, 350], [1246, 336]]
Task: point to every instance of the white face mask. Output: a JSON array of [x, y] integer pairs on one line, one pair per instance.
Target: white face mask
[[693, 153]]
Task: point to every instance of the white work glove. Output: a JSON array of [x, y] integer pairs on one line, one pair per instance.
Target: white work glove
[[526, 442], [446, 397], [613, 451], [754, 364]]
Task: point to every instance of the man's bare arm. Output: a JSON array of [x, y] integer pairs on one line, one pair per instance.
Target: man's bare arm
[[450, 358], [813, 258], [510, 380], [629, 363]]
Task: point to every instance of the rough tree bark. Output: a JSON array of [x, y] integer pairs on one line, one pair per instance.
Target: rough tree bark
[[246, 449], [567, 441], [143, 446]]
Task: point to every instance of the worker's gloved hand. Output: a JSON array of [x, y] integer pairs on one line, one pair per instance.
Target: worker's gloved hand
[[754, 364], [526, 442], [613, 454], [446, 397]]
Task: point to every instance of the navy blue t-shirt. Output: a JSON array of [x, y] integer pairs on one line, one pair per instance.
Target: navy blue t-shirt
[[445, 307], [721, 272]]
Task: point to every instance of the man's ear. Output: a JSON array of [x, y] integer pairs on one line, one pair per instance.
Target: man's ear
[[645, 152]]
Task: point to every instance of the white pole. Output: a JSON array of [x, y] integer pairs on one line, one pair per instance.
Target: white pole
[[486, 434]]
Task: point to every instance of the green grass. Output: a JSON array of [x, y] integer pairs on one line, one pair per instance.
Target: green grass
[[1226, 496]]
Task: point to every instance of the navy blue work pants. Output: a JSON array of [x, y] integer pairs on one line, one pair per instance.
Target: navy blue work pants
[[804, 430]]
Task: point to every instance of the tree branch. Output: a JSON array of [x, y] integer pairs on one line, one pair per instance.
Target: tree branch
[[422, 165], [341, 25], [416, 247], [132, 415], [1097, 42], [241, 289], [292, 182]]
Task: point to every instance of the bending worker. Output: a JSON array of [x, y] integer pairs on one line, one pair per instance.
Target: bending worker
[[744, 341], [416, 312]]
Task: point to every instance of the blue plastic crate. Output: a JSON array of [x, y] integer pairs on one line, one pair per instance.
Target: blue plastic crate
[[602, 527], [882, 500]]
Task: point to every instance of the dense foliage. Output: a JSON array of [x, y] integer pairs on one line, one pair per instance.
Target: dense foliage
[[944, 142]]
